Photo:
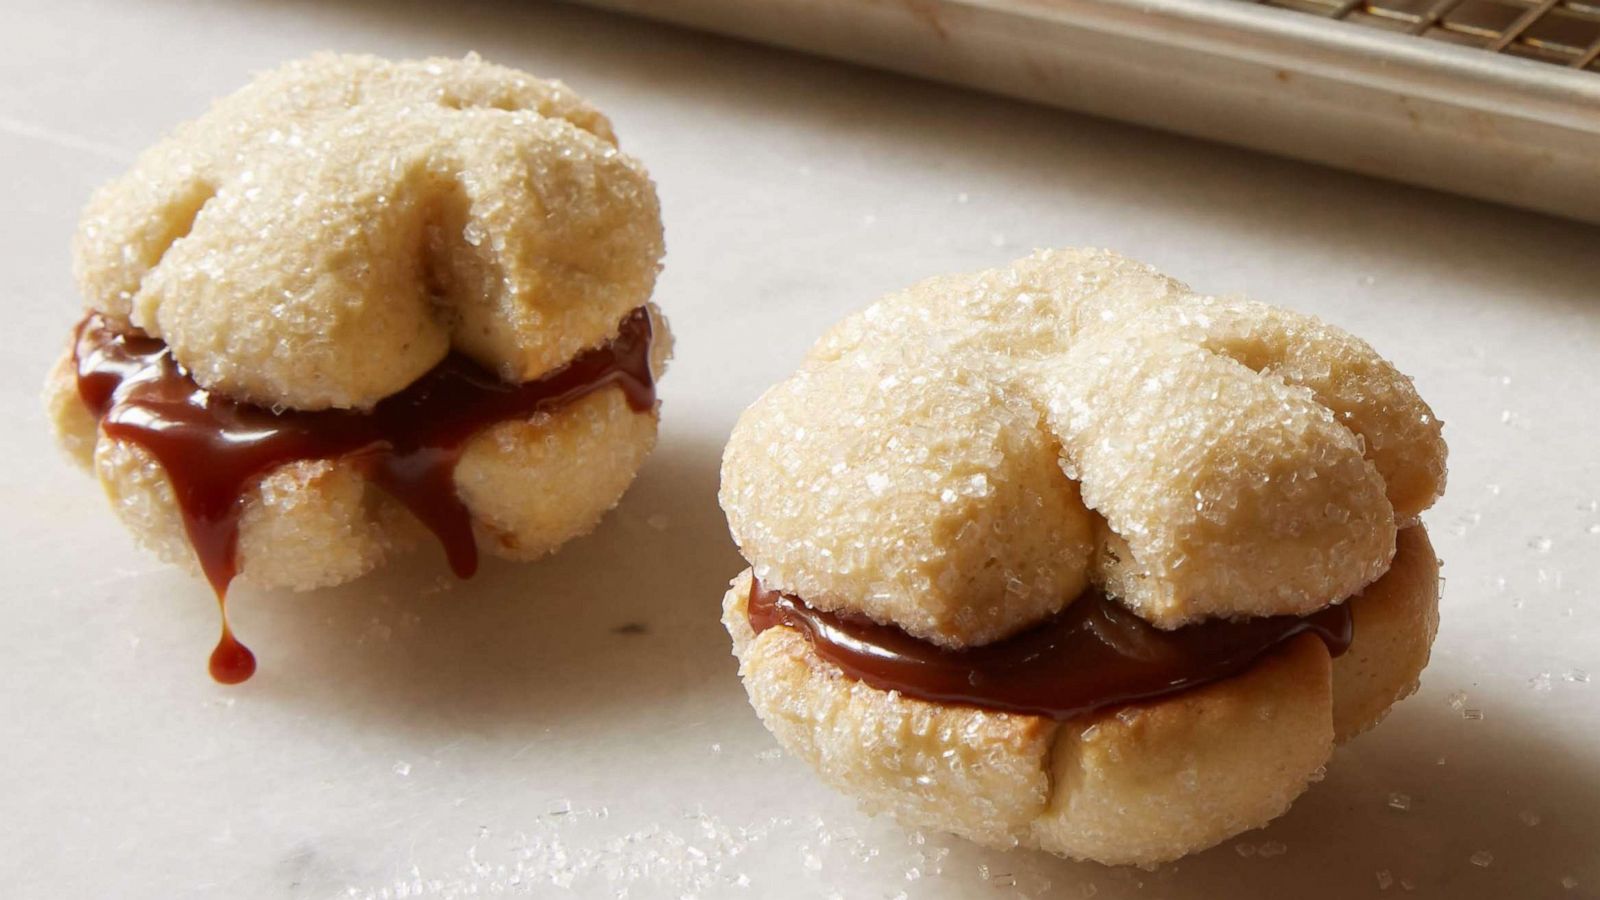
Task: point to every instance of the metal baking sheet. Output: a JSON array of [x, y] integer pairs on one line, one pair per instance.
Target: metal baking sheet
[[1496, 99]]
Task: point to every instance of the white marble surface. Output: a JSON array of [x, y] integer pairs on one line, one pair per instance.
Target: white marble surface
[[408, 735]]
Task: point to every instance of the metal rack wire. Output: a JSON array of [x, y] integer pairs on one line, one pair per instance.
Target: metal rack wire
[[1561, 32]]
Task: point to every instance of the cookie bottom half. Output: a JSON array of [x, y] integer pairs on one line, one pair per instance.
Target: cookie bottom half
[[1141, 783]]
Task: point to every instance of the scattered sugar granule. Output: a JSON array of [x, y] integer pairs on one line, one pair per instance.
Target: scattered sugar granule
[[1457, 700], [1481, 859], [1576, 676], [1385, 880], [1472, 714], [1529, 817], [1273, 848], [1400, 801], [440, 585], [402, 768], [1569, 882]]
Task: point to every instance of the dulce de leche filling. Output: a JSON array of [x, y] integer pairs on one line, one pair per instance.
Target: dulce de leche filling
[[213, 450], [1093, 654]]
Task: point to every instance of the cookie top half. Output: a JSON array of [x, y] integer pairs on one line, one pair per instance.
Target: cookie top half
[[330, 232], [961, 459]]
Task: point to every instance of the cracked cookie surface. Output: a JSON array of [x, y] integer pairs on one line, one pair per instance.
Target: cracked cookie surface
[[957, 457], [327, 234]]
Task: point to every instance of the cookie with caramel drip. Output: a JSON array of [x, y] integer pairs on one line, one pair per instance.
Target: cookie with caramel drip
[[359, 301]]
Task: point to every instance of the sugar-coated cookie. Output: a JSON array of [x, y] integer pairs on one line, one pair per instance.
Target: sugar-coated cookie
[[961, 462]]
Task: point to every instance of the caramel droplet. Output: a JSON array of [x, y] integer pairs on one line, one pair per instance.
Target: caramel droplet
[[231, 661]]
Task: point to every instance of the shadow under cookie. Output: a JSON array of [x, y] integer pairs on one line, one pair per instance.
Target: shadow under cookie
[[1390, 818], [602, 628]]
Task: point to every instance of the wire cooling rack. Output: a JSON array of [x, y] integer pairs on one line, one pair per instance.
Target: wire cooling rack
[[1562, 32]]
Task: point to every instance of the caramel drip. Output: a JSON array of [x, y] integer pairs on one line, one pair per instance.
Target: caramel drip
[[214, 450]]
